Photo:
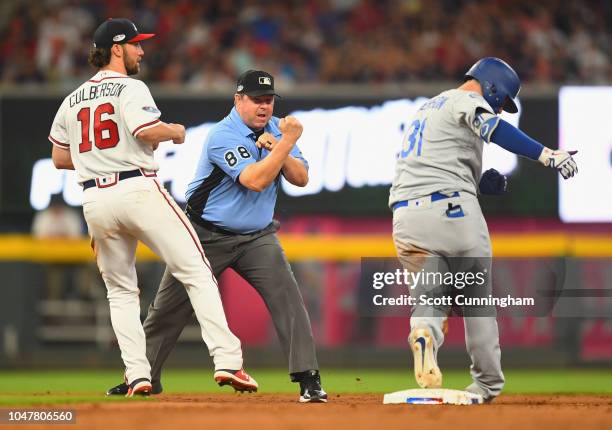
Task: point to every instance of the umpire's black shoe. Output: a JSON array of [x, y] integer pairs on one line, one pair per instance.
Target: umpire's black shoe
[[310, 386], [123, 388]]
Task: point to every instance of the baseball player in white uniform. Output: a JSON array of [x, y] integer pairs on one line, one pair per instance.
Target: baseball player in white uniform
[[436, 215], [107, 130]]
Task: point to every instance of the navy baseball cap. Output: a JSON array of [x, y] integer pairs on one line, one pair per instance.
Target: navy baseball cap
[[256, 83], [117, 30]]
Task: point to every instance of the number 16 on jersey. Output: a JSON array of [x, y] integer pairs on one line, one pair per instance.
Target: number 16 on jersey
[[416, 130]]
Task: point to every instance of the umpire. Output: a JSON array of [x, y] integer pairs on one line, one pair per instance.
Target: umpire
[[230, 204]]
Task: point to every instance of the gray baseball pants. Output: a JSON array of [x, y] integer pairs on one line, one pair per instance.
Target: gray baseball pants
[[425, 235], [260, 260]]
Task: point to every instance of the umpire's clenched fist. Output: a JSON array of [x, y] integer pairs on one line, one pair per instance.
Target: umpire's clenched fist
[[266, 141], [290, 127]]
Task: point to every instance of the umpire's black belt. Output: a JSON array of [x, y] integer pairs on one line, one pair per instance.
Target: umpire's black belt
[[206, 224], [120, 176]]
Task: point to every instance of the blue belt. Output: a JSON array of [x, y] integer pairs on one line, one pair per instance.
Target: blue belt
[[434, 198]]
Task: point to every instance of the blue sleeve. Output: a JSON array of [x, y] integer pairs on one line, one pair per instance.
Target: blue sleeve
[[296, 153], [228, 151], [514, 140]]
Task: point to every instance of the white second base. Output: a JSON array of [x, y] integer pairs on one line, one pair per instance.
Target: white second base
[[439, 396]]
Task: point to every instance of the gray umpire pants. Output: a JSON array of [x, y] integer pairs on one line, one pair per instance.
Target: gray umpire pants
[[260, 260], [430, 237]]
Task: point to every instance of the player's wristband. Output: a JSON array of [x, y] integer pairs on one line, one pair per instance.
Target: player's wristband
[[514, 140]]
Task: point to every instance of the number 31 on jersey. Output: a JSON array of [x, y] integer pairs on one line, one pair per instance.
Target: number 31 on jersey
[[414, 132]]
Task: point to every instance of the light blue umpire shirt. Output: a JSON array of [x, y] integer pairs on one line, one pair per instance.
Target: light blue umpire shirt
[[216, 195]]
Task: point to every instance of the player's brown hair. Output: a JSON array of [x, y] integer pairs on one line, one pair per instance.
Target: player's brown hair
[[99, 57]]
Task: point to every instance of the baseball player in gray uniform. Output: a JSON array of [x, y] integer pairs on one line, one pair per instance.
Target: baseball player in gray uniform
[[436, 211]]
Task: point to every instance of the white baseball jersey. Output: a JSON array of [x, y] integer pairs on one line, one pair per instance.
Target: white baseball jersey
[[442, 148], [99, 123]]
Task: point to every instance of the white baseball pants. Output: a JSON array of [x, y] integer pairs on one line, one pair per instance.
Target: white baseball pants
[[140, 209]]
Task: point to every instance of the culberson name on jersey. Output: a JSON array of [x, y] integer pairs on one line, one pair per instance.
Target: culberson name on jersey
[[106, 89]]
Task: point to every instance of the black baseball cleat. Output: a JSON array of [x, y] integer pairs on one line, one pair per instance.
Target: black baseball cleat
[[123, 388], [310, 386]]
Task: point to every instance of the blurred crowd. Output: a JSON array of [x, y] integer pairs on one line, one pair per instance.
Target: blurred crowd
[[202, 43]]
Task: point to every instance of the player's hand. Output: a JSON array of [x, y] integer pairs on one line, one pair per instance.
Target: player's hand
[[266, 141], [180, 133], [493, 183], [560, 160], [290, 127]]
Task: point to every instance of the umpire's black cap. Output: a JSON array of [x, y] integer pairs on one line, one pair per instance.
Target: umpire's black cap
[[117, 30], [256, 83]]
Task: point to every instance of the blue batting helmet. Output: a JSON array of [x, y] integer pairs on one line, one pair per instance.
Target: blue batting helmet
[[500, 83]]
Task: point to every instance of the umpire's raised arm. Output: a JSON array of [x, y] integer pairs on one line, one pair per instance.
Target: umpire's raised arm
[[259, 175]]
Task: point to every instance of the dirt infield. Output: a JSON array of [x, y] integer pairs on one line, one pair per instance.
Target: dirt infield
[[345, 411]]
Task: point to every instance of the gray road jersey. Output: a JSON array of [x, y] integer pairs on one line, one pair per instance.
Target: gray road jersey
[[442, 147]]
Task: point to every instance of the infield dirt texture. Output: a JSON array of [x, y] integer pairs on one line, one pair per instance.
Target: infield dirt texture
[[580, 399]]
